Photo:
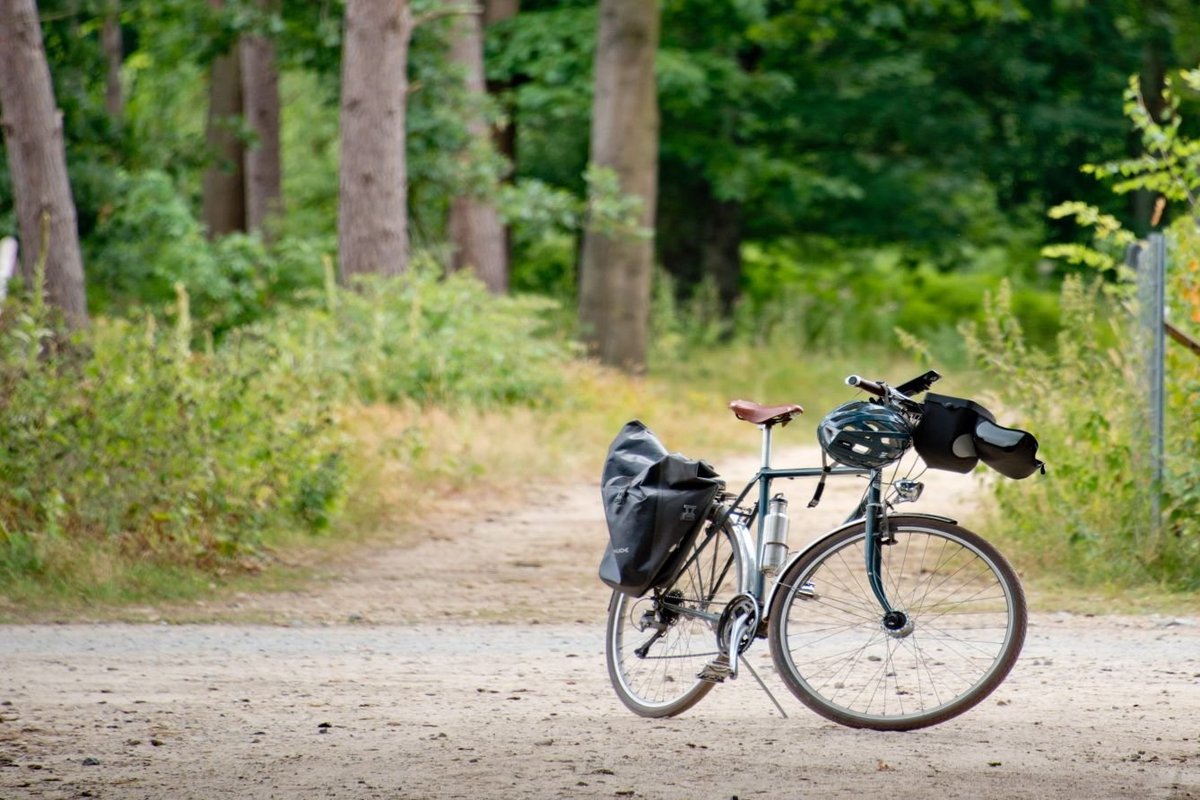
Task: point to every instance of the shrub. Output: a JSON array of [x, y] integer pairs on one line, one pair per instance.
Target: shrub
[[127, 441], [149, 241], [1090, 518], [424, 338], [819, 293], [124, 439]]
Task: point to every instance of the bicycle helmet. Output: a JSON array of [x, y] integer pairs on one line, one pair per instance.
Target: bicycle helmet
[[865, 435]]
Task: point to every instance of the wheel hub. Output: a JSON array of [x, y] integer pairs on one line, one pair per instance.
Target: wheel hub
[[897, 624]]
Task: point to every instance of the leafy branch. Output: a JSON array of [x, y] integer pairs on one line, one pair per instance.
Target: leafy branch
[[1170, 164]]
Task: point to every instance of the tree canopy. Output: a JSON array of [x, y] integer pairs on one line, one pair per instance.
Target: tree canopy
[[946, 129]]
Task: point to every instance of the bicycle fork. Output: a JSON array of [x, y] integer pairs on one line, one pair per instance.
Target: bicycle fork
[[895, 622], [876, 524]]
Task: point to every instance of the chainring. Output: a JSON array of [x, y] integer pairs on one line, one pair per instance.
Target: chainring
[[742, 605]]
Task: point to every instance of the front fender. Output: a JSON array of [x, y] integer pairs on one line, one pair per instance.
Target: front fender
[[770, 598]]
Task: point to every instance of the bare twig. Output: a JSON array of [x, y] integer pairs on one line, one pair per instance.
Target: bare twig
[[1182, 338]]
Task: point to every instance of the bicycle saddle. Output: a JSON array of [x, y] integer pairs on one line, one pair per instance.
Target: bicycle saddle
[[764, 415]]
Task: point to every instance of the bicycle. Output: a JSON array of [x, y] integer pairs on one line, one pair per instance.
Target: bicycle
[[892, 621]]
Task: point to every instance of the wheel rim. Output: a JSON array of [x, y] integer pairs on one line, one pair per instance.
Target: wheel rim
[[944, 648], [664, 679]]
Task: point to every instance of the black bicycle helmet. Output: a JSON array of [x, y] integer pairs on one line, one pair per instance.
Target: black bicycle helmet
[[863, 434]]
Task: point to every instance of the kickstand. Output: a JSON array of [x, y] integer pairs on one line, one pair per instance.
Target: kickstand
[[754, 672]]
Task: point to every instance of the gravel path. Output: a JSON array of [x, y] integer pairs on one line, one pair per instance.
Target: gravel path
[[471, 665]]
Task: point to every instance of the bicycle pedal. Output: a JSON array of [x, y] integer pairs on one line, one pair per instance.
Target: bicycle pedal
[[715, 671]]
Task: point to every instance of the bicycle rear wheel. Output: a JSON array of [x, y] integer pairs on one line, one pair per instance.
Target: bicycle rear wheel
[[657, 645], [960, 628]]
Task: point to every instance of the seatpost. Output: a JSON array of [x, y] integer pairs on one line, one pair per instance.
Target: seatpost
[[766, 446]]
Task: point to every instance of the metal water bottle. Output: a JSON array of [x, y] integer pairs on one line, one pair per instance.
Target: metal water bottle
[[775, 532]]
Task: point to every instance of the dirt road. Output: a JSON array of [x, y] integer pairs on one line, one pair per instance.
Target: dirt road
[[471, 665]]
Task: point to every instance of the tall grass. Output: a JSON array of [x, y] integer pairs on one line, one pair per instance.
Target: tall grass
[[1088, 521], [132, 449]]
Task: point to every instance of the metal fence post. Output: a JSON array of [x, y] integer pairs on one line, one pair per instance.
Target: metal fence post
[[1150, 261]]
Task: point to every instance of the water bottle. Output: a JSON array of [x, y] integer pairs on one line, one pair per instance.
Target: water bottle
[[775, 532]]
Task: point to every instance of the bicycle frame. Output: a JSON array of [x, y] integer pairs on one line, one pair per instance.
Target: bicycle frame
[[872, 508]]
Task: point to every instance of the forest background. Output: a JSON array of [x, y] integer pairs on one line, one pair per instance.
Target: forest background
[[340, 262]]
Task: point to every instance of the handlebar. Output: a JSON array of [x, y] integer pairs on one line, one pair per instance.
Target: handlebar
[[877, 389], [900, 396]]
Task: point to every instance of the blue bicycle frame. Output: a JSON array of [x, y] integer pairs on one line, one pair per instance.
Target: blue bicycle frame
[[871, 509]]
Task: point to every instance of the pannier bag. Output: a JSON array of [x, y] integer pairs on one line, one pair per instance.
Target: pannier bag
[[956, 434], [655, 503]]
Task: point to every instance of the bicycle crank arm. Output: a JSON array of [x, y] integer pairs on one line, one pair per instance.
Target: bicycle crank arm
[[735, 636]]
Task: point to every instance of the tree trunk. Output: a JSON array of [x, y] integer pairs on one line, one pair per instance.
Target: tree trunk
[[224, 180], [701, 236], [615, 272], [721, 258], [373, 197], [33, 139], [260, 95], [499, 10], [114, 55], [1152, 81], [504, 134], [475, 229]]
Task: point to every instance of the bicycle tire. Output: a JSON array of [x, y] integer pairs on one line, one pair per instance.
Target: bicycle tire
[[966, 622], [663, 681]]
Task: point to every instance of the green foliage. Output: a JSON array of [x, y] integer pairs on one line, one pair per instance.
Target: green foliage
[[1108, 234], [818, 293], [127, 445], [148, 242], [425, 339], [126, 441], [548, 223], [1089, 520], [546, 56], [309, 153], [1170, 162]]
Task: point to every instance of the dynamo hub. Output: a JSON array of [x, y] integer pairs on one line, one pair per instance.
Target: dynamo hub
[[897, 624]]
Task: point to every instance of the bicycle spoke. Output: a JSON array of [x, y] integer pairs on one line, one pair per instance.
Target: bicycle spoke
[[954, 642], [679, 623]]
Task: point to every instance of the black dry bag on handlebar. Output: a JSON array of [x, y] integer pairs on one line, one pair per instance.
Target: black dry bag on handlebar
[[944, 436], [1009, 451], [955, 434], [654, 503]]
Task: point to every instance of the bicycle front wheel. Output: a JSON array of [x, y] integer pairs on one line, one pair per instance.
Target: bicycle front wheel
[[958, 626], [657, 645]]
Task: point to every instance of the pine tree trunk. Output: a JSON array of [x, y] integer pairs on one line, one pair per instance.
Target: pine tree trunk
[[475, 229], [373, 197], [260, 96], [224, 181], [615, 272], [33, 140]]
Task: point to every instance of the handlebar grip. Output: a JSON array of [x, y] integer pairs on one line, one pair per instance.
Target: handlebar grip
[[866, 385]]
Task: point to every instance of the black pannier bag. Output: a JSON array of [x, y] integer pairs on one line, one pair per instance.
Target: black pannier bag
[[655, 503], [955, 434]]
